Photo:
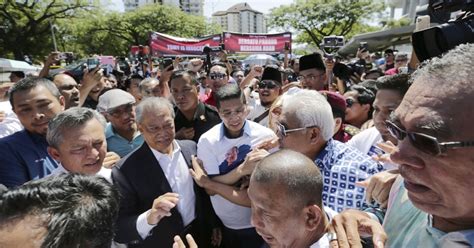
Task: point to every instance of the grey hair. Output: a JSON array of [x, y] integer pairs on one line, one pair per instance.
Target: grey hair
[[70, 119], [300, 178], [147, 81], [311, 109], [154, 104]]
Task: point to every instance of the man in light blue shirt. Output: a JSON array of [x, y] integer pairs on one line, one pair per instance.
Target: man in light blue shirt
[[121, 133]]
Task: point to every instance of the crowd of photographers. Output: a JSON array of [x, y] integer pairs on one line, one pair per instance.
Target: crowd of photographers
[[315, 151]]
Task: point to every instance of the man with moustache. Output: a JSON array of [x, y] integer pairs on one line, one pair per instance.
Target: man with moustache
[[312, 73], [23, 155], [193, 118], [122, 134], [430, 204], [269, 88], [68, 88], [218, 77]]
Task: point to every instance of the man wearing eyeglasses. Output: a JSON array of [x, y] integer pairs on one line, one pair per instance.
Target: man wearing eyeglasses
[[312, 74], [269, 88], [306, 125], [121, 132], [218, 77], [430, 204], [401, 61]]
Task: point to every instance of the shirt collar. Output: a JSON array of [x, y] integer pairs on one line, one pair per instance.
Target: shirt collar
[[329, 147], [110, 132], [246, 128], [160, 155]]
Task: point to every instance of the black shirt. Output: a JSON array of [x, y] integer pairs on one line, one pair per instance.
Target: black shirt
[[204, 119]]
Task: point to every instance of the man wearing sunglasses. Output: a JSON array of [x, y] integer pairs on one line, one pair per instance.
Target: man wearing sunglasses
[[306, 125], [218, 77], [269, 88], [431, 203]]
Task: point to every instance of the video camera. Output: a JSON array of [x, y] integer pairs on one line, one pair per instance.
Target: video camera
[[437, 40], [330, 45], [207, 50]]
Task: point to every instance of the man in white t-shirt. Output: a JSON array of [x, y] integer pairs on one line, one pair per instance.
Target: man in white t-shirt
[[391, 90], [225, 151], [286, 194]]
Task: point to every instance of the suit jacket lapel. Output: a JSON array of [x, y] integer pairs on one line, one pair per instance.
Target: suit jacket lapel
[[153, 173]]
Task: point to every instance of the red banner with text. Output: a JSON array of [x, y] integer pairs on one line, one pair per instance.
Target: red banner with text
[[163, 44], [256, 43]]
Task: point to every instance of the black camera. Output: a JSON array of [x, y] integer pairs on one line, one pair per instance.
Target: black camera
[[437, 40], [213, 49], [330, 45]]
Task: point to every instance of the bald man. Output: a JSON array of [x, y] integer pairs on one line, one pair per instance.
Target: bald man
[[68, 88], [286, 198]]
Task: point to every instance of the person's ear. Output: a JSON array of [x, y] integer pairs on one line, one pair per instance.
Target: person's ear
[[140, 128], [337, 124], [62, 102], [315, 135], [54, 153], [314, 217], [366, 107]]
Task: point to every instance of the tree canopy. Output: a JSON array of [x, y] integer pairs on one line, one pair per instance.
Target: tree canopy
[[84, 28], [26, 28], [314, 19]]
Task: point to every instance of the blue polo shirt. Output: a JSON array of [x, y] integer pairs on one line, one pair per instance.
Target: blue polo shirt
[[24, 157], [120, 145]]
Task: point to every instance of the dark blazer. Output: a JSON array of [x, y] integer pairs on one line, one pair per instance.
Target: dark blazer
[[141, 180]]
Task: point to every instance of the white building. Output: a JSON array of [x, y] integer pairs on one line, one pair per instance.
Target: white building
[[240, 18], [194, 7]]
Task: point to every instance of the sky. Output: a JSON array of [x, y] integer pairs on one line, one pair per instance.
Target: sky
[[264, 6], [211, 6]]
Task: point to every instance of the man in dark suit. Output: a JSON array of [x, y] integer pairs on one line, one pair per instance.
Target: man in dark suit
[[159, 197]]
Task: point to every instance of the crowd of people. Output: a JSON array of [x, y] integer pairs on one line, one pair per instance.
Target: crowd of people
[[312, 152]]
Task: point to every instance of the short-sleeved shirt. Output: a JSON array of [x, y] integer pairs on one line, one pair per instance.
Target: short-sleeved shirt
[[366, 142], [204, 119], [257, 111], [342, 166], [221, 155], [24, 157], [407, 226], [120, 145]]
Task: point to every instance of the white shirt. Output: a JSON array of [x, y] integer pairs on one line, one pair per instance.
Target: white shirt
[[103, 172], [256, 109], [216, 151], [176, 172], [10, 124], [366, 142]]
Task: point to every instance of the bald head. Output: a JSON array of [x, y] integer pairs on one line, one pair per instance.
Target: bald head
[[292, 172], [68, 88]]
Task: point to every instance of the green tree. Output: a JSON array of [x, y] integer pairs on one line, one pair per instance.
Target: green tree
[[114, 33], [314, 19], [26, 25]]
